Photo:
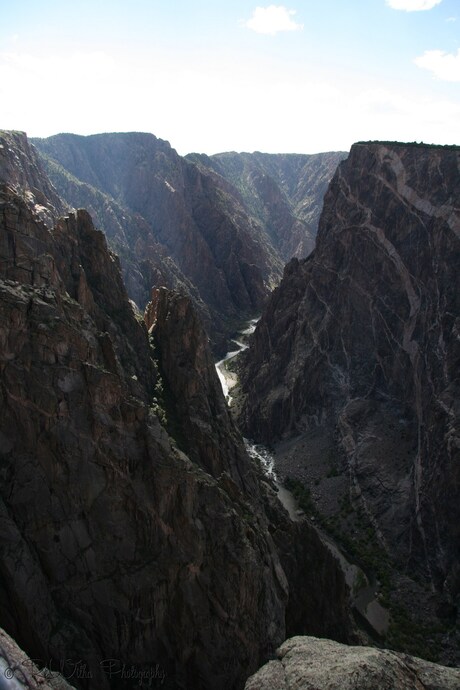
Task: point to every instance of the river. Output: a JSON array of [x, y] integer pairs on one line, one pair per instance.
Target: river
[[226, 377], [363, 597]]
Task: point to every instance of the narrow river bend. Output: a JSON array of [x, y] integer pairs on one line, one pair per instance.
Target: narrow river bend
[[364, 600]]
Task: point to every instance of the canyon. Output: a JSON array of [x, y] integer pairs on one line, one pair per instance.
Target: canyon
[[136, 526]]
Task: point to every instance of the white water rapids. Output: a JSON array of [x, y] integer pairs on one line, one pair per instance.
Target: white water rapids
[[227, 378], [256, 451]]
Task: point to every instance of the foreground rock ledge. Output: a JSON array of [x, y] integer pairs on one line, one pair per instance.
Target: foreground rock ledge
[[18, 671], [308, 663]]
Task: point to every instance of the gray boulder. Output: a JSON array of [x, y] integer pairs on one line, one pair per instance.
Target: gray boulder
[[308, 663]]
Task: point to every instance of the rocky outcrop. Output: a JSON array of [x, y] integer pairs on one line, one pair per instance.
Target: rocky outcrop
[[283, 191], [307, 663], [192, 391], [358, 351], [19, 672], [21, 168], [153, 204]]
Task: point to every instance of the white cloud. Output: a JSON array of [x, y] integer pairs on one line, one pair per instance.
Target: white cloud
[[273, 19], [412, 5], [444, 66]]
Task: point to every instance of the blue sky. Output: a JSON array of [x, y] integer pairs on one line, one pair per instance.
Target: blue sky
[[302, 76]]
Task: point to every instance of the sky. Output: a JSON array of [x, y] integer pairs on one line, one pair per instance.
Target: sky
[[209, 76]]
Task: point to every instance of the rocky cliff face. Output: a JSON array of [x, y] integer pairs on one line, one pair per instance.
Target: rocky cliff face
[[134, 527], [283, 191], [20, 166], [304, 663], [358, 353], [193, 392], [155, 205], [110, 535]]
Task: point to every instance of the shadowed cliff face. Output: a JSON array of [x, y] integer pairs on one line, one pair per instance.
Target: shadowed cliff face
[[360, 344], [133, 526], [192, 390], [155, 205], [114, 543]]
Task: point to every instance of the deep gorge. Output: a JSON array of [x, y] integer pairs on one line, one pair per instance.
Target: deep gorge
[[135, 524]]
